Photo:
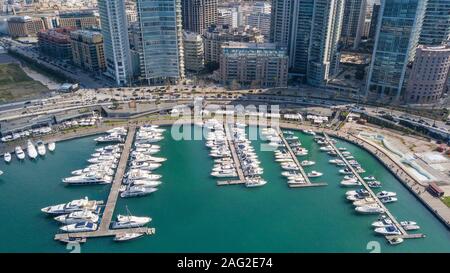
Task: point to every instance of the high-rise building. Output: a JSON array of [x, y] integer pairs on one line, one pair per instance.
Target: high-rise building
[[353, 22], [282, 22], [162, 50], [310, 29], [260, 21], [115, 39], [194, 56], [254, 65], [428, 78], [396, 41], [436, 23], [198, 15], [87, 50], [374, 21], [325, 33]]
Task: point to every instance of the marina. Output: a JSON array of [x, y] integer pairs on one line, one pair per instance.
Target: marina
[[104, 226], [253, 206], [403, 233]]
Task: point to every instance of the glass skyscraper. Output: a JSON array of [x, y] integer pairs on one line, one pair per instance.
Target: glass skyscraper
[[162, 41], [436, 23], [396, 40], [115, 40]]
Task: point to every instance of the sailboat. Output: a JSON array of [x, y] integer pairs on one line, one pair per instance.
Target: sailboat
[[126, 236]]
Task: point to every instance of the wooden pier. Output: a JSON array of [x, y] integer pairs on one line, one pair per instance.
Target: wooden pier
[[104, 226], [403, 232], [302, 171]]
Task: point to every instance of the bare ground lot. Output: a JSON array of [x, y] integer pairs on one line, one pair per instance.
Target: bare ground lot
[[15, 84]]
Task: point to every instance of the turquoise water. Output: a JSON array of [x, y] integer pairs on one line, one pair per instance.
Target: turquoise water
[[192, 214]]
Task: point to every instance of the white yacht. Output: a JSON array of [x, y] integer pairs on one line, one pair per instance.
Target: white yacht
[[255, 182], [395, 240], [307, 163], [110, 138], [147, 146], [51, 146], [290, 173], [19, 153], [78, 217], [125, 221], [148, 158], [386, 194], [370, 209], [150, 166], [31, 150], [289, 167], [224, 173], [144, 183], [314, 174], [141, 174], [74, 205], [296, 180], [365, 201], [80, 227], [382, 222], [41, 148], [134, 191], [388, 230], [7, 157], [359, 191], [345, 171], [350, 183], [88, 178]]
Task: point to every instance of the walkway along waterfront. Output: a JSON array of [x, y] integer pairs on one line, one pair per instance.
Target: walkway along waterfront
[[104, 227]]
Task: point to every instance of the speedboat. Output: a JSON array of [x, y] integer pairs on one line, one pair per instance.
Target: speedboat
[[19, 153], [395, 240], [125, 221], [374, 184], [369, 178], [74, 205], [41, 148], [359, 191], [31, 150], [290, 173], [345, 171], [350, 183], [307, 163], [409, 225], [314, 174], [78, 217], [7, 157], [51, 146], [388, 199], [388, 230], [370, 209], [386, 194], [134, 191], [120, 237], [80, 227], [382, 222]]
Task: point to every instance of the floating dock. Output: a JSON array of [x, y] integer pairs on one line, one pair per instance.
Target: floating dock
[[302, 171], [403, 232], [103, 229]]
